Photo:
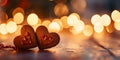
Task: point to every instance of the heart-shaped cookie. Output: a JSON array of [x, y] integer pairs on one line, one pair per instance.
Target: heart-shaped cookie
[[27, 39], [46, 39]]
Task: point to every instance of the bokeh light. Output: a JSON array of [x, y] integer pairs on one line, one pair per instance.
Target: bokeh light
[[54, 27], [98, 27], [61, 9], [95, 18], [72, 20], [37, 25], [77, 15], [46, 23], [88, 30], [3, 29], [32, 19], [18, 18], [78, 28], [115, 15], [18, 10], [11, 27], [59, 22], [106, 20], [78, 5], [64, 21], [10, 19], [117, 26]]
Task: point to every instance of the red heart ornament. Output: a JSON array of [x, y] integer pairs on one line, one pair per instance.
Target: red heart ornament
[[46, 39], [27, 39]]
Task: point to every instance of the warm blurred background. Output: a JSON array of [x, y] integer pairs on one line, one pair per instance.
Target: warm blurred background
[[45, 8]]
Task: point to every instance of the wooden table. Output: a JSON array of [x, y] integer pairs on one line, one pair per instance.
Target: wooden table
[[71, 47]]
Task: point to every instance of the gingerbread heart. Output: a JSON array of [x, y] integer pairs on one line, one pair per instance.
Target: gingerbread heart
[[46, 39], [27, 39]]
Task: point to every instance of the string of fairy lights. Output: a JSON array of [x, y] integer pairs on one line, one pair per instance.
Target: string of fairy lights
[[72, 22]]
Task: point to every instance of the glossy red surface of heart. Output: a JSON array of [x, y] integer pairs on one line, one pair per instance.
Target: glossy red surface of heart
[[46, 39], [27, 39]]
